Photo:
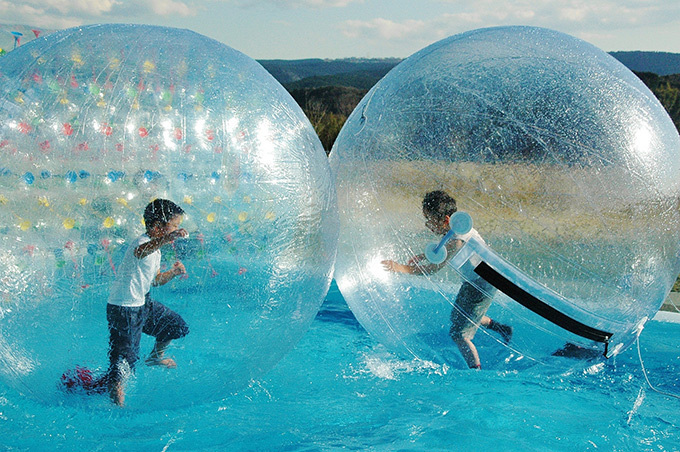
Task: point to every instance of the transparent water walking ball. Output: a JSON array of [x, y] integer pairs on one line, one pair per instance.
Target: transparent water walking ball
[[568, 167], [95, 122]]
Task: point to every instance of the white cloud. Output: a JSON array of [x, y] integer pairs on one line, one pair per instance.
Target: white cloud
[[294, 4], [90, 7], [589, 19], [319, 3], [582, 14], [374, 28], [382, 28], [56, 14], [34, 16], [171, 7]]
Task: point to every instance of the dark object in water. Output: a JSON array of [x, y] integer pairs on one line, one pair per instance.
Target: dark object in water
[[81, 379], [577, 352]]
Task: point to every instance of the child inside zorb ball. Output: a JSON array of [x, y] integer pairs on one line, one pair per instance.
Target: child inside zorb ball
[[131, 310], [471, 304]]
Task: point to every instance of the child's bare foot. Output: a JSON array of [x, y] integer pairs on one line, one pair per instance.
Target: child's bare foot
[[168, 363]]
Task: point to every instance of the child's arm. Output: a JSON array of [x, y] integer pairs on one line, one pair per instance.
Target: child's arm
[[166, 277], [419, 265], [153, 245], [415, 266]]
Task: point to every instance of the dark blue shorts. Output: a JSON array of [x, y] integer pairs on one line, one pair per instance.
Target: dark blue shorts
[[470, 306], [126, 325]]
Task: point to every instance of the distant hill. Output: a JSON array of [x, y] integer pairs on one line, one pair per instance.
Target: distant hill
[[359, 79], [660, 63], [364, 73], [288, 71]]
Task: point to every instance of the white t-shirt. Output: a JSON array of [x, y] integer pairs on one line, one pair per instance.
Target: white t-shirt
[[473, 233], [134, 276], [475, 260], [451, 245]]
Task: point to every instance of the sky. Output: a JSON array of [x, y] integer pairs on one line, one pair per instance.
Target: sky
[[297, 29]]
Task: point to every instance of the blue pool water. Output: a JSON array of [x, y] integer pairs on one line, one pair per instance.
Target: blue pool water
[[341, 390]]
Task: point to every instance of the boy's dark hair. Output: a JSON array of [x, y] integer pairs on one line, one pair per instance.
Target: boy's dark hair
[[160, 210], [439, 204]]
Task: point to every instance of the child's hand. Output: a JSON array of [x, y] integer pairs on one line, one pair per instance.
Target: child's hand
[[392, 266], [179, 269], [179, 233]]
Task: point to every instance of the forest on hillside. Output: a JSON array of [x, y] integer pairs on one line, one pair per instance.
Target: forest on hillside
[[328, 107], [667, 89]]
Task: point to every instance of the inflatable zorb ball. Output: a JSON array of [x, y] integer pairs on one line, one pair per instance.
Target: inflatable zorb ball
[[568, 167], [96, 122]]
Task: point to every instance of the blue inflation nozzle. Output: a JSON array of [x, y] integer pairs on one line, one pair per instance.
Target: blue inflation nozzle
[[460, 223]]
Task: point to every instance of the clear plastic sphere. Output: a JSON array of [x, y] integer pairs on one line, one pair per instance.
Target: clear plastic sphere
[[95, 122], [568, 166]]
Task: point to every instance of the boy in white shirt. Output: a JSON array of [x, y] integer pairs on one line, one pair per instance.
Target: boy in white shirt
[[471, 304], [131, 311]]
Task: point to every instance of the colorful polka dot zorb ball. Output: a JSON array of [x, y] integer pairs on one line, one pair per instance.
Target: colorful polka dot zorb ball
[[95, 123], [569, 170]]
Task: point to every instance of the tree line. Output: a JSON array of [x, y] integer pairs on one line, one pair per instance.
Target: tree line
[[328, 107]]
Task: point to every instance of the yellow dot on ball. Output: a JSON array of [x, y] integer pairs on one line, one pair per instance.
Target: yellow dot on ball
[[3, 200], [43, 201], [246, 199], [243, 216], [188, 200], [217, 199], [122, 201], [63, 101], [82, 201], [69, 223], [25, 225], [149, 66], [211, 217], [109, 222], [270, 215]]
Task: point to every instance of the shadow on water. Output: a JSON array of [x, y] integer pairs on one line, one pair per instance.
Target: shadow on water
[[335, 310]]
